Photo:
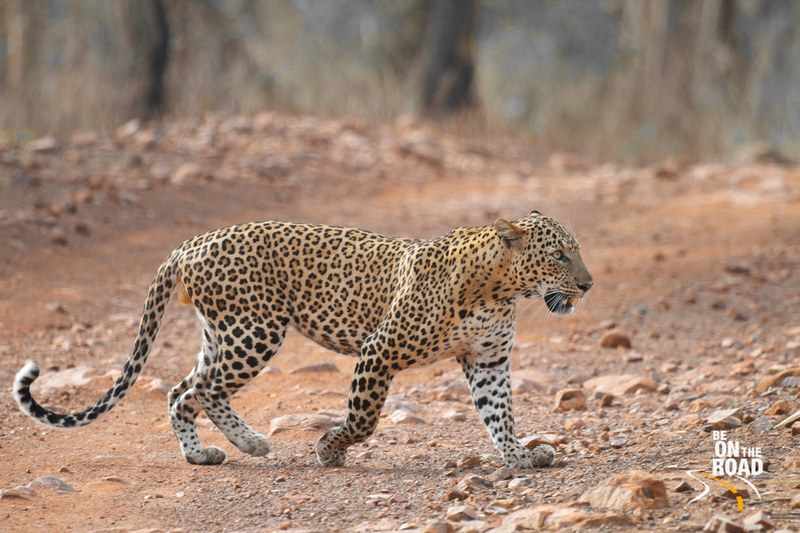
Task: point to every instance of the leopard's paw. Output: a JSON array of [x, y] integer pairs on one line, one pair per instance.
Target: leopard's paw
[[206, 456], [328, 454], [520, 457], [542, 455], [517, 457], [257, 446]]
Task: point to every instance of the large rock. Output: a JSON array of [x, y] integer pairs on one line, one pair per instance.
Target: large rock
[[70, 377], [306, 422], [558, 517], [632, 490], [620, 384]]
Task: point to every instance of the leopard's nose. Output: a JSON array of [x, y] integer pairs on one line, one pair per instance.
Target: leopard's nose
[[585, 286]]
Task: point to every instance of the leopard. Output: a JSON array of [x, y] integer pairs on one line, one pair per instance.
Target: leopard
[[390, 302]]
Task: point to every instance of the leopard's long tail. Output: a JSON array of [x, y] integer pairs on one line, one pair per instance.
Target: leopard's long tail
[[159, 293]]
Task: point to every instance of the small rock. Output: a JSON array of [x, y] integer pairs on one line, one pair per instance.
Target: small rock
[[474, 526], [614, 338], [454, 416], [634, 357], [185, 173], [520, 482], [437, 526], [550, 439], [728, 494], [501, 474], [520, 385], [569, 399], [455, 495], [157, 385], [778, 408], [683, 487], [469, 462], [402, 416], [598, 521], [635, 489], [43, 145], [743, 368], [725, 418], [552, 517], [316, 368], [605, 399], [759, 518], [474, 483], [723, 523], [397, 498], [116, 479], [460, 513], [573, 424]]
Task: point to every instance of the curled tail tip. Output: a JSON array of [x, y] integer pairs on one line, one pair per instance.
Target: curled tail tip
[[26, 375], [22, 386]]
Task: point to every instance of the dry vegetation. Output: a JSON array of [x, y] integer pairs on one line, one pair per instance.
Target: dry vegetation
[[624, 81]]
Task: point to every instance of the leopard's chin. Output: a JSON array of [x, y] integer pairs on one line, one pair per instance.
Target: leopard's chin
[[559, 303]]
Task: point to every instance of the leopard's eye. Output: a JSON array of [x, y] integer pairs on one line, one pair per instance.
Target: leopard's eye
[[558, 255]]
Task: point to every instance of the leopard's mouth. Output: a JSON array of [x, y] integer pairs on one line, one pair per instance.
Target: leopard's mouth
[[559, 303]]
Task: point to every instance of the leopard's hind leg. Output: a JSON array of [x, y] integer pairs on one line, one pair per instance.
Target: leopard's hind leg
[[183, 410], [239, 354]]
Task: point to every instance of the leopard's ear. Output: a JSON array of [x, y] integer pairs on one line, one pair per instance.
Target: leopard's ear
[[535, 213], [510, 234]]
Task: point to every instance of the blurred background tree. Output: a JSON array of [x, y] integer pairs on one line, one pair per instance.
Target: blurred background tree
[[150, 47], [635, 80], [447, 57]]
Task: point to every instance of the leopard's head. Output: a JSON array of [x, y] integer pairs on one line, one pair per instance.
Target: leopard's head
[[545, 261]]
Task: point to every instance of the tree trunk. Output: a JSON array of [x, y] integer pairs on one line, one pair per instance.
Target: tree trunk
[[447, 57], [149, 29]]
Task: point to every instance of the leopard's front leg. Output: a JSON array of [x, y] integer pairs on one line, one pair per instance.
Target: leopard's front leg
[[368, 390], [490, 386]]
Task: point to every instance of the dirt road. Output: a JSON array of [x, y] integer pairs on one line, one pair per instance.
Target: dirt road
[[698, 266]]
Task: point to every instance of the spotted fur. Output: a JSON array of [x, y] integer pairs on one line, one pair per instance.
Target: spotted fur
[[391, 302]]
